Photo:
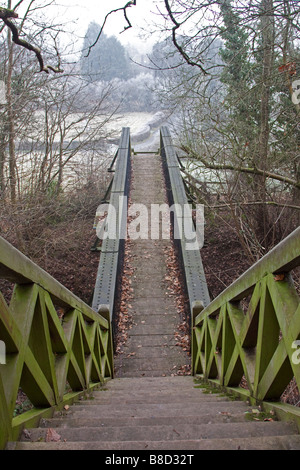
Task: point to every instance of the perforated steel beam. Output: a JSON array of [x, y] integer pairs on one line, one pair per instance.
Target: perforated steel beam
[[112, 246], [191, 258]]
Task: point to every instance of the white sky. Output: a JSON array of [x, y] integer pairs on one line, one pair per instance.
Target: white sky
[[85, 11], [82, 12], [79, 13]]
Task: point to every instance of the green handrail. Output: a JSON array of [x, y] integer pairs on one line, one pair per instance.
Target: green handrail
[[251, 331], [56, 346]]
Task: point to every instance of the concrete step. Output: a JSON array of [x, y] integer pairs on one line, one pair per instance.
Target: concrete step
[[221, 417], [292, 442], [169, 383], [154, 329], [149, 341], [166, 342], [166, 432], [149, 400], [171, 363], [155, 354], [163, 318], [147, 373], [156, 382], [156, 306], [149, 351], [159, 396], [160, 392], [153, 410]]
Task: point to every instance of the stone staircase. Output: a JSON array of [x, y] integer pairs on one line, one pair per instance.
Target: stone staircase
[[159, 413], [147, 406]]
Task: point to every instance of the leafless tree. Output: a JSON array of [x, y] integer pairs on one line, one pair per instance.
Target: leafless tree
[[247, 157]]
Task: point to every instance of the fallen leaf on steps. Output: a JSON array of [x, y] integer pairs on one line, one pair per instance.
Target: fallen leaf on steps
[[52, 435]]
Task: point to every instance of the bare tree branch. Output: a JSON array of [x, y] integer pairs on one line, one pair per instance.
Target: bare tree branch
[[174, 39], [128, 26], [237, 204], [256, 203], [253, 171], [5, 15]]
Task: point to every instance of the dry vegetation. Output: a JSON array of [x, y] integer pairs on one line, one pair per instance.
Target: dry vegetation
[[57, 234]]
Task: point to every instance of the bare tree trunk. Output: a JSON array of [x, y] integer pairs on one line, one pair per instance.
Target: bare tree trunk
[[42, 174], [3, 140], [286, 51], [267, 31], [60, 162], [11, 139], [268, 58], [11, 122]]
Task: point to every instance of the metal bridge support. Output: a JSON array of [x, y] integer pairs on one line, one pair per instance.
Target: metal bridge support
[[112, 248], [190, 258]]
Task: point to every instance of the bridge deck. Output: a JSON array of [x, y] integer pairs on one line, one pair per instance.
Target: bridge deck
[[151, 346]]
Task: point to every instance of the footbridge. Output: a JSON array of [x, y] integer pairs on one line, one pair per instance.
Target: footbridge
[[157, 365]]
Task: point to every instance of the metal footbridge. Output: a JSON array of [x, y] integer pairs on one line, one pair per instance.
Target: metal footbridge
[[59, 351]]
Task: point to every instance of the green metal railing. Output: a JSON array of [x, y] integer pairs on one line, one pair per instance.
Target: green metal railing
[[247, 338], [56, 347]]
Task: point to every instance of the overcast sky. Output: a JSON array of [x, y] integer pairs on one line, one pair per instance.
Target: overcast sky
[[79, 13], [85, 11]]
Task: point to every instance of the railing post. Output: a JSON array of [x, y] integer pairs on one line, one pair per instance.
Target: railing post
[[5, 419], [105, 313], [197, 308]]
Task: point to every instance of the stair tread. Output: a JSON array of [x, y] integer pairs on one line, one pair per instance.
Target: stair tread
[[168, 432], [136, 421], [151, 400], [291, 442], [165, 409]]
